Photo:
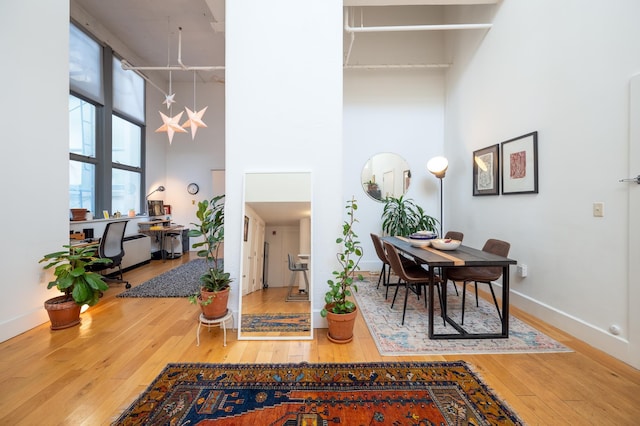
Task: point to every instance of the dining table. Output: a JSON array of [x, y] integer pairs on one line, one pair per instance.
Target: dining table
[[459, 257]]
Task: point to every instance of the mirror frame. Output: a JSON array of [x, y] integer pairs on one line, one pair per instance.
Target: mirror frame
[[401, 177], [309, 178]]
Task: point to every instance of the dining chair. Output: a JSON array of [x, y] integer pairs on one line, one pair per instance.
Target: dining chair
[[414, 275], [385, 273], [480, 274], [454, 235], [385, 270]]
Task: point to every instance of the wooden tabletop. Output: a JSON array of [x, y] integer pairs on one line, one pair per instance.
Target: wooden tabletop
[[462, 256]]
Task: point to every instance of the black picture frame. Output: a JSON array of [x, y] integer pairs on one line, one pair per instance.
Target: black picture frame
[[520, 165], [486, 171], [246, 228]]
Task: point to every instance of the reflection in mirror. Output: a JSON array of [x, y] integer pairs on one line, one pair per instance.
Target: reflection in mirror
[[385, 175], [276, 258]]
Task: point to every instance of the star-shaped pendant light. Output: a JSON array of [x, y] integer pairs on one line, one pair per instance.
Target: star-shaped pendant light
[[171, 125], [194, 121], [169, 99], [195, 117]]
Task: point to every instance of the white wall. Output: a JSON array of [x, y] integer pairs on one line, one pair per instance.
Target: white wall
[[400, 111], [34, 157], [284, 113], [563, 69]]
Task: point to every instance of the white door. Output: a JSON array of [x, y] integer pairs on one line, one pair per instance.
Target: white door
[[634, 224]]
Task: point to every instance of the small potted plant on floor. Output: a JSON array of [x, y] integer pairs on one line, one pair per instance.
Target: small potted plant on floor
[[339, 310], [402, 217], [79, 285], [214, 289]]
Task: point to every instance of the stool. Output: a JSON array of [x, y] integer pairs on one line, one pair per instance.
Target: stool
[[209, 322], [173, 237]]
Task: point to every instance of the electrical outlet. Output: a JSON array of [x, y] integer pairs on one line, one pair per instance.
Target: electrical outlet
[[522, 270], [598, 209]]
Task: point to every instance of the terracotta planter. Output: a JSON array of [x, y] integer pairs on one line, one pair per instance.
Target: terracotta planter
[[218, 306], [78, 214], [63, 313], [341, 326]]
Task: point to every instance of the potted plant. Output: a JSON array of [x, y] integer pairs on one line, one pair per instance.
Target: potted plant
[[341, 312], [73, 278], [402, 216], [214, 289]]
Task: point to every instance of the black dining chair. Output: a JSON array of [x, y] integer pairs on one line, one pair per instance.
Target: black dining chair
[[412, 276], [480, 274]]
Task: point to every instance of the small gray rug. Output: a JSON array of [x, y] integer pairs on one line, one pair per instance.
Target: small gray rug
[[182, 281]]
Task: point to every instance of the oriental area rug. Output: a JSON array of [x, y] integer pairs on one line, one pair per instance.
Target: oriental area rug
[[266, 323], [394, 339], [418, 393]]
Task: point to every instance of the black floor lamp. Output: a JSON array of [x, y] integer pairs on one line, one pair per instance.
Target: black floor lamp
[[438, 166]]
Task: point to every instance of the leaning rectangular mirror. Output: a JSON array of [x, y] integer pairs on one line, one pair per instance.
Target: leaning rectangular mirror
[[276, 258]]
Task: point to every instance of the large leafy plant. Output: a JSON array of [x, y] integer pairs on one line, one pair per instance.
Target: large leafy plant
[[402, 216], [210, 226], [72, 276], [348, 258]]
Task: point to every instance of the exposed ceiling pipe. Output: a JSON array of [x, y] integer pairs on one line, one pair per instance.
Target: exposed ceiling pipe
[[182, 67], [395, 66], [395, 28], [361, 29], [353, 38], [429, 27]]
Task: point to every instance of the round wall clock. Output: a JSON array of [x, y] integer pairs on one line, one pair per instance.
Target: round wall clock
[[193, 188]]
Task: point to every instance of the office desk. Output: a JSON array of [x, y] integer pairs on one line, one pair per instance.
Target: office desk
[[462, 256], [160, 230]]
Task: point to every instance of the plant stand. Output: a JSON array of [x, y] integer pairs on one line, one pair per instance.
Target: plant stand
[[222, 321]]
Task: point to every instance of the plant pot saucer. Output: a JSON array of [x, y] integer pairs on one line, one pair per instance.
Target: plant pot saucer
[[331, 339]]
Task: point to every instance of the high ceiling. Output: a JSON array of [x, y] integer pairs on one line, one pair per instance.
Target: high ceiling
[[146, 32]]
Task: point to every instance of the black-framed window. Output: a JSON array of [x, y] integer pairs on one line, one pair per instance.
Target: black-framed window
[[106, 129]]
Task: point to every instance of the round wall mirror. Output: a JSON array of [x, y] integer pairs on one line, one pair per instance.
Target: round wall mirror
[[385, 175]]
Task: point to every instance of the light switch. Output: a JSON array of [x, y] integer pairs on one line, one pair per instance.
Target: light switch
[[598, 209]]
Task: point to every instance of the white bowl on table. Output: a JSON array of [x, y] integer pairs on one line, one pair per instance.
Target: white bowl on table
[[445, 244], [420, 243], [421, 238]]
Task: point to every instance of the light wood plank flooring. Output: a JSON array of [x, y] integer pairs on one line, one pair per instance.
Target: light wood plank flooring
[[87, 375]]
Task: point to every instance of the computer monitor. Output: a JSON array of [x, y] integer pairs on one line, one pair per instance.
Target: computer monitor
[[155, 208]]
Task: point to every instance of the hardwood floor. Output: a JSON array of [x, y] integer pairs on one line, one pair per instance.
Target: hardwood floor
[[89, 374]]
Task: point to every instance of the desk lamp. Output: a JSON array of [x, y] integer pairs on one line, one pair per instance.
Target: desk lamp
[[438, 166], [160, 188]]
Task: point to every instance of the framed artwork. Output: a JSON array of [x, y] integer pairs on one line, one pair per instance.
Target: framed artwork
[[167, 209], [486, 169], [520, 165], [246, 228]]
